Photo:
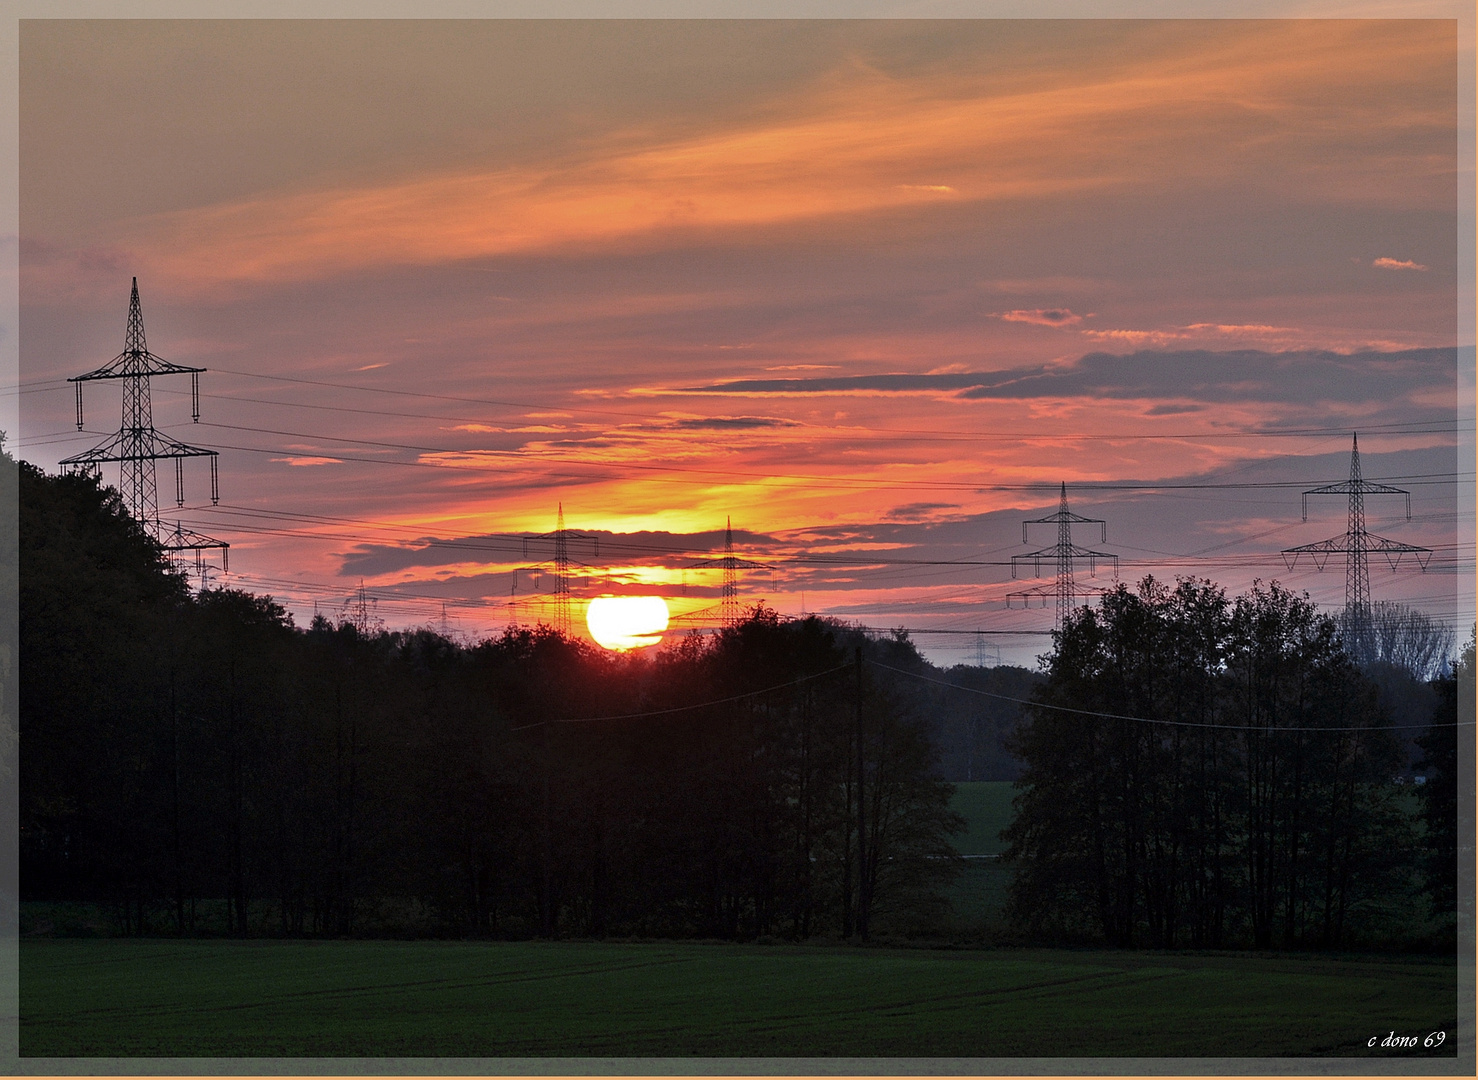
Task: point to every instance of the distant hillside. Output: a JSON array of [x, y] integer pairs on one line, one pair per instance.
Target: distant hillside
[[971, 730]]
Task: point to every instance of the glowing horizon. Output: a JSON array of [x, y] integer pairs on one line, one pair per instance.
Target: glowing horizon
[[869, 289]]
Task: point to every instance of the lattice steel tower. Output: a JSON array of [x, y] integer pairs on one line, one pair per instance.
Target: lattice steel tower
[[1357, 544], [138, 444], [562, 537], [731, 564], [1064, 589]]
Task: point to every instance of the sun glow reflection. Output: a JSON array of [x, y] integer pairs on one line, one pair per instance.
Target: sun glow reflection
[[620, 623]]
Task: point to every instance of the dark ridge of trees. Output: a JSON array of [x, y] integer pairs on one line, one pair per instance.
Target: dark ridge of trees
[[200, 765], [1278, 828], [974, 733], [9, 696], [972, 711], [1442, 769]]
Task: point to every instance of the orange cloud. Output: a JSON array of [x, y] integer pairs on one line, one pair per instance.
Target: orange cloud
[[1195, 102], [1134, 337], [305, 461], [1241, 328], [1040, 316], [1397, 264]]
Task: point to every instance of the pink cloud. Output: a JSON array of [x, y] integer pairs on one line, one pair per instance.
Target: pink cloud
[[835, 153], [1397, 264], [1242, 328], [1041, 316], [1135, 337]]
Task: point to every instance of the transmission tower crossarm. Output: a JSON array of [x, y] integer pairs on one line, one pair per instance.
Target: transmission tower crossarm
[[117, 368], [1051, 590], [1363, 487], [1388, 548], [1069, 552], [1342, 542], [743, 564], [131, 445], [1319, 551], [1063, 514], [1068, 549]]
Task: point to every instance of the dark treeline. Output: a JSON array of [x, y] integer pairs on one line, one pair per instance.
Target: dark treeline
[[1259, 807], [200, 765]]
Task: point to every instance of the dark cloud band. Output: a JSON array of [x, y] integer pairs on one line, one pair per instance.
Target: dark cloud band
[[1300, 377]]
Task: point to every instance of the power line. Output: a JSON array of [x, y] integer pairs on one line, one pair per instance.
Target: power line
[[1432, 427], [848, 482], [1394, 427], [496, 544], [864, 564]]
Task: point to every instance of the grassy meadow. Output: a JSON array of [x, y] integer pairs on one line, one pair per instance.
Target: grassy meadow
[[978, 895], [986, 807], [160, 998], [113, 997]]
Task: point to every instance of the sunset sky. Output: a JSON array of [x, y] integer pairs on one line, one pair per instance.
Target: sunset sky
[[872, 290]]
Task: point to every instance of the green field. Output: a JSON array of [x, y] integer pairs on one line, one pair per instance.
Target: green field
[[986, 807], [978, 896], [106, 997], [132, 998]]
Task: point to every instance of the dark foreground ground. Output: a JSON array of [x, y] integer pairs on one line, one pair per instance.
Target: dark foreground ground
[[171, 998]]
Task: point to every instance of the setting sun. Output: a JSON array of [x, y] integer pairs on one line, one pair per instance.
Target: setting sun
[[626, 622]]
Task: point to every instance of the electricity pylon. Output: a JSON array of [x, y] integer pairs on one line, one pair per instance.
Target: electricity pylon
[[731, 564], [362, 612], [561, 537], [980, 650], [1357, 543], [138, 444], [1064, 589]]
